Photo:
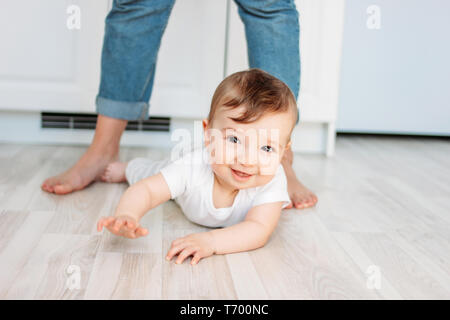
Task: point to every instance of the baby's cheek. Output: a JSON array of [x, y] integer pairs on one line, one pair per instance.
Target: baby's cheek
[[263, 179], [268, 171], [221, 170], [224, 153], [229, 153], [215, 153], [268, 165]]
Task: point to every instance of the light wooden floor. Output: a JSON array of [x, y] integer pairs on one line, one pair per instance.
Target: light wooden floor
[[383, 217]]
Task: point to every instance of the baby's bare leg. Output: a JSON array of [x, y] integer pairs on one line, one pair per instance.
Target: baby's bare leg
[[115, 172], [141, 168], [138, 169]]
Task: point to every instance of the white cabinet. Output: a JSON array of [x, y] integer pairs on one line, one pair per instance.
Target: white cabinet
[[190, 60], [46, 66]]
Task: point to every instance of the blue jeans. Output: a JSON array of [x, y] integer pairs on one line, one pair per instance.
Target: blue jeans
[[133, 32]]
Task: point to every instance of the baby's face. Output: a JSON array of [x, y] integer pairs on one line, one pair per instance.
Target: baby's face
[[246, 155]]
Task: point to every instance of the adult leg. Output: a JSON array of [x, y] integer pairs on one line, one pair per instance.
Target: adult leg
[[133, 32], [272, 33]]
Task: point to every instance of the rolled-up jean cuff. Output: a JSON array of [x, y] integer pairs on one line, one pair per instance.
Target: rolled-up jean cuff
[[126, 110]]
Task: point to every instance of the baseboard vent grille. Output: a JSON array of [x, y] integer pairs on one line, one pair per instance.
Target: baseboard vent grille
[[63, 120]]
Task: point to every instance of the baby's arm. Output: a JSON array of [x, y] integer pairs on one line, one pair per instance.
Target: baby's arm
[[137, 200], [252, 233]]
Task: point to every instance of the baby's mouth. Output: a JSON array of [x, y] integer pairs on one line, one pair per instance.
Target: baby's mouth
[[241, 174]]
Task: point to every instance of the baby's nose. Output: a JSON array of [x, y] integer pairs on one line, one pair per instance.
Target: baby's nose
[[247, 157]]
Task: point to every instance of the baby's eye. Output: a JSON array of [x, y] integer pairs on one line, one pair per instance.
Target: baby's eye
[[267, 148], [233, 139]]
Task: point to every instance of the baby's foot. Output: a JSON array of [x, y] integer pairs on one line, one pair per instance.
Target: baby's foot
[[115, 172]]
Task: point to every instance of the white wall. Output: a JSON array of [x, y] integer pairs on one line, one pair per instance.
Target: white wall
[[396, 79]]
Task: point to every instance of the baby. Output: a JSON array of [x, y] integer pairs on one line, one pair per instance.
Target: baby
[[234, 184]]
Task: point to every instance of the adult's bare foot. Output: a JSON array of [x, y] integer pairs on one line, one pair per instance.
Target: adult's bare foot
[[103, 150], [301, 197], [88, 169]]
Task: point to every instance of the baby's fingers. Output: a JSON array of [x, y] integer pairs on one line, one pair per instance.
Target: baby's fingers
[[141, 232], [196, 258], [118, 224], [175, 249], [104, 222], [130, 224], [184, 254]]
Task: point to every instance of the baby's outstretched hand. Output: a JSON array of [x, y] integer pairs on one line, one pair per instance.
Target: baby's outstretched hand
[[200, 245], [124, 226]]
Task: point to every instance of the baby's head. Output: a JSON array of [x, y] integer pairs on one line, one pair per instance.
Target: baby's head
[[249, 127]]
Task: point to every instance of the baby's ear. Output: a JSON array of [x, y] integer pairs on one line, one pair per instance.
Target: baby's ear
[[288, 145], [205, 123], [286, 148], [206, 134]]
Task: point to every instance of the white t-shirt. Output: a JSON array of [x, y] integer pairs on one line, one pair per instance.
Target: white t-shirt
[[191, 180]]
